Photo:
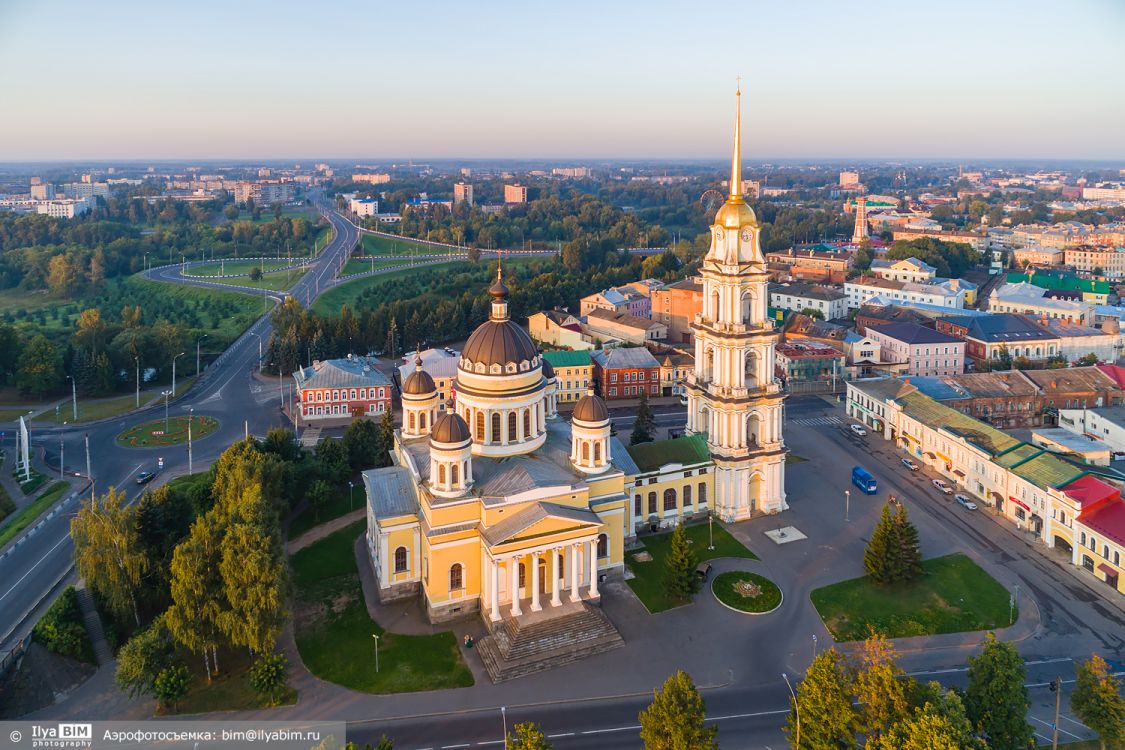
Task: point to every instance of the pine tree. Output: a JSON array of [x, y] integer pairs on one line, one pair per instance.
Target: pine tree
[[996, 700], [644, 428], [674, 719], [1097, 701], [679, 575], [823, 716], [878, 556], [908, 553]]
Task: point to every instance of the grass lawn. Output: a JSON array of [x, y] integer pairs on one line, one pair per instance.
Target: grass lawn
[[153, 435], [954, 595], [29, 514], [378, 245], [230, 267], [94, 409], [244, 308], [12, 415], [266, 215], [337, 505], [648, 581], [7, 507], [230, 691], [355, 265], [275, 282], [761, 595], [334, 631], [35, 481]]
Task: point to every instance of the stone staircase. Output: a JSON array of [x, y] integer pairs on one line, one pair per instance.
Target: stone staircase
[[93, 624], [310, 437], [521, 646]]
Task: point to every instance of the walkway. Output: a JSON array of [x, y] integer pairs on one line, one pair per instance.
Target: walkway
[[319, 532]]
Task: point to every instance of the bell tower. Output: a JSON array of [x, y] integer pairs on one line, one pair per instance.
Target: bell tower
[[733, 396]]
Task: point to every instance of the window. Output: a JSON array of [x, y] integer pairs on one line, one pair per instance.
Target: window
[[638, 505], [603, 545], [597, 452], [512, 425], [527, 423], [410, 420], [353, 394], [613, 377], [669, 499], [454, 474], [702, 493], [441, 473], [687, 496], [652, 503], [523, 576], [480, 426], [585, 451], [612, 391], [495, 427], [422, 421], [400, 560], [456, 577]]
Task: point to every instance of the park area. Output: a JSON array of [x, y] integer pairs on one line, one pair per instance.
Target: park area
[[173, 431], [648, 571], [953, 595], [334, 630]]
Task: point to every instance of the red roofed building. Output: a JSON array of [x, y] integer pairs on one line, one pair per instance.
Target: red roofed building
[[1098, 531]]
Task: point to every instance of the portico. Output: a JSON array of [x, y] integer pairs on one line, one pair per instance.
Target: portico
[[541, 578]]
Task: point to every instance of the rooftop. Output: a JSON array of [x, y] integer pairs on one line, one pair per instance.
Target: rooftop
[[568, 359], [1070, 379], [685, 451], [809, 291], [1002, 328], [1088, 490], [1108, 520], [340, 373], [912, 333], [626, 357], [620, 318], [798, 350], [932, 413]]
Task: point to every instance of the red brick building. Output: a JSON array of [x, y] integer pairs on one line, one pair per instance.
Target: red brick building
[[626, 372], [338, 389]]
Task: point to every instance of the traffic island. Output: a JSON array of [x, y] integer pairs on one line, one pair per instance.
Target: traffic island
[[746, 592], [160, 433]]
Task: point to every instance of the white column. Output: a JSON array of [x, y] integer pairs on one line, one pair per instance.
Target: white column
[[593, 569], [535, 605], [495, 593], [515, 563], [556, 585], [574, 553]]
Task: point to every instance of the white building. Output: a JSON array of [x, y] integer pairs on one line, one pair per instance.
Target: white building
[[908, 269], [1077, 341], [946, 293], [1104, 423], [63, 208], [364, 206], [1029, 299], [831, 303]]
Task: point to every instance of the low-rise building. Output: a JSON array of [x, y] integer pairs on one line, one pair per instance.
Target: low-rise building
[[615, 299], [607, 325], [674, 369], [1034, 300], [978, 241], [625, 372], [1103, 423], [363, 206], [799, 362], [991, 338], [676, 306], [1102, 261], [1038, 255], [908, 269], [949, 293], [1093, 291], [1063, 442], [558, 328], [574, 371], [830, 303], [337, 389], [925, 351], [1077, 341], [675, 481], [377, 178], [441, 366], [65, 208]]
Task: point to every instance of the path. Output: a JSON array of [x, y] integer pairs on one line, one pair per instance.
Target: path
[[319, 532]]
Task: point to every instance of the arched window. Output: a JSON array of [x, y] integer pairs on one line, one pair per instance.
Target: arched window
[[669, 499], [453, 474], [526, 423], [715, 305], [422, 421], [495, 427], [585, 451], [456, 577], [512, 426], [638, 505], [441, 473], [597, 453], [603, 545], [400, 560], [687, 496], [702, 493], [410, 420], [523, 575], [652, 503], [480, 426]]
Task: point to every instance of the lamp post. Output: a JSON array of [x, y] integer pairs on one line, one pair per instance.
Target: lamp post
[[711, 530], [174, 371], [197, 353], [191, 413], [847, 504], [504, 718], [259, 348], [137, 360], [73, 395], [166, 394], [351, 495], [814, 647], [376, 637], [796, 711], [89, 471], [61, 454]]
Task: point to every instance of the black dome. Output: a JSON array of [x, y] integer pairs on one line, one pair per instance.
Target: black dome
[[419, 383], [450, 428], [590, 408], [499, 342]]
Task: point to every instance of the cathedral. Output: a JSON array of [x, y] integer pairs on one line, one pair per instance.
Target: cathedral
[[497, 506]]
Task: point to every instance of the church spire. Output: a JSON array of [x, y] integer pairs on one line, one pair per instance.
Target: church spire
[[736, 158]]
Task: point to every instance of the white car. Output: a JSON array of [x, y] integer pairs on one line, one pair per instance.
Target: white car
[[858, 429], [965, 502], [942, 486], [910, 464]]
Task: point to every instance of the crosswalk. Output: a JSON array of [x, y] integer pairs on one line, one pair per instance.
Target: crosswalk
[[818, 421]]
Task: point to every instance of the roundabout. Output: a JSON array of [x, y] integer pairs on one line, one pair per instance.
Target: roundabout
[[746, 592], [154, 434]]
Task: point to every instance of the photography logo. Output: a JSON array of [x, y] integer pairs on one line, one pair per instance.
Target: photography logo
[[62, 735]]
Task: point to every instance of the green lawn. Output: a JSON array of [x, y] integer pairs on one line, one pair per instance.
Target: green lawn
[[334, 631], [954, 595], [153, 435], [337, 505], [274, 282], [34, 482], [356, 265], [94, 409], [244, 309], [29, 514], [648, 580], [12, 415], [379, 245], [230, 691], [266, 216], [237, 267], [767, 596]]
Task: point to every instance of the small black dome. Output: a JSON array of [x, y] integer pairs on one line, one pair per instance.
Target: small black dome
[[450, 428], [419, 383], [590, 408]]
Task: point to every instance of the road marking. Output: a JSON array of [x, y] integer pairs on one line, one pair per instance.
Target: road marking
[[1047, 723], [451, 747], [817, 421], [1075, 721], [560, 734], [33, 567], [615, 729], [748, 716]]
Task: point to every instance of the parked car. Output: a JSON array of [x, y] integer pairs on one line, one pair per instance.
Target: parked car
[[910, 464], [858, 429], [965, 502], [703, 570], [942, 486], [145, 477]]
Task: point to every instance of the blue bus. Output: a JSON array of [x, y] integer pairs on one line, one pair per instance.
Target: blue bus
[[862, 478]]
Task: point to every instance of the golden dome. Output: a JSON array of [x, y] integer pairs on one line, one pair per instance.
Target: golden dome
[[735, 214]]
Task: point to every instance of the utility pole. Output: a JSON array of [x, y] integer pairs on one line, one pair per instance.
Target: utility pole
[[796, 711], [89, 473], [191, 413], [847, 503], [138, 361], [1056, 688], [74, 395], [61, 455], [197, 353], [174, 372]]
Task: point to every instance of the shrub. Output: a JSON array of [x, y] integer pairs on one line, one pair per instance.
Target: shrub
[[62, 631]]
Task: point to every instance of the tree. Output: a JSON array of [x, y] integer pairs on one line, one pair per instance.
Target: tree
[[1089, 360], [107, 552], [996, 700], [645, 424], [318, 494], [527, 736], [940, 725], [1097, 701], [877, 557], [268, 674], [679, 574], [256, 274], [61, 630], [197, 593], [674, 719], [143, 657], [823, 714], [171, 685], [386, 439], [881, 688], [813, 313], [907, 552], [332, 460], [361, 441], [39, 371]]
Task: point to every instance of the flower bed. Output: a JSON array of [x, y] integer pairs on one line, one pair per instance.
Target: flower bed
[[746, 592], [153, 435]]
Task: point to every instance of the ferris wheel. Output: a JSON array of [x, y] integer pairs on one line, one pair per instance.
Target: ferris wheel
[[711, 199]]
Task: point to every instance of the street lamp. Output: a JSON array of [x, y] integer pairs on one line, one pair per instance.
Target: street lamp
[[197, 353], [166, 394], [814, 647], [259, 348], [376, 637], [504, 718], [796, 711], [191, 413], [351, 496], [74, 395], [61, 455], [137, 360], [174, 371], [847, 504], [711, 530]]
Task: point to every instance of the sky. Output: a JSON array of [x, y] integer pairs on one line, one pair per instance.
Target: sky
[[124, 79]]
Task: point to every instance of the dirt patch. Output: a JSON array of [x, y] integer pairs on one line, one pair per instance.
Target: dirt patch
[[41, 679], [341, 601], [643, 557]]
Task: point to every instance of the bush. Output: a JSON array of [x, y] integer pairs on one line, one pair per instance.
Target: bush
[[62, 631]]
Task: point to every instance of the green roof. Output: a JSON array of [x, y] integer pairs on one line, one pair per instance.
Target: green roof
[[1047, 471], [1061, 282], [1017, 456], [568, 359], [934, 414], [687, 450]]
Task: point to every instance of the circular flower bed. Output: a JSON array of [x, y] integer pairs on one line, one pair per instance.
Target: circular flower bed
[[153, 435], [746, 592]]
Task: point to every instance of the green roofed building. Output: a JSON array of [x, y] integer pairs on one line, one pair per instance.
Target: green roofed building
[[673, 476], [574, 372], [1093, 291]]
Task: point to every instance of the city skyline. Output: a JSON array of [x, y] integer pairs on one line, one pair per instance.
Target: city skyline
[[819, 81]]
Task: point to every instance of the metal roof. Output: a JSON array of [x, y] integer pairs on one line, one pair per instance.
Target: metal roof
[[626, 357], [340, 373], [390, 492], [687, 450]]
